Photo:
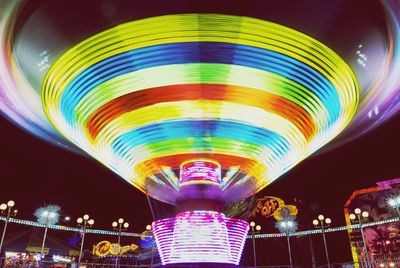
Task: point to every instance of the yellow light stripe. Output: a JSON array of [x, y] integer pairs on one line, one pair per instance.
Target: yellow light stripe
[[195, 110], [251, 32], [180, 74]]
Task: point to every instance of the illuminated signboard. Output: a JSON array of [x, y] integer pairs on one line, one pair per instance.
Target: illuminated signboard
[[273, 206], [105, 248], [200, 171]]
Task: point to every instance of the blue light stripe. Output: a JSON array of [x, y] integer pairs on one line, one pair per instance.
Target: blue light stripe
[[200, 129], [206, 52]]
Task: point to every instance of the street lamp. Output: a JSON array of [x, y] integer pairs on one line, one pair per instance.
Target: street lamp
[[359, 217], [287, 226], [85, 222], [47, 215], [253, 227], [119, 225], [394, 202], [323, 222], [6, 209]]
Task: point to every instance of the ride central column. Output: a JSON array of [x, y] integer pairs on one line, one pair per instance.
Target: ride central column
[[200, 232]]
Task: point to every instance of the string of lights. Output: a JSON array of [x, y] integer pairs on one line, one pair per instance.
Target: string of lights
[[131, 234]]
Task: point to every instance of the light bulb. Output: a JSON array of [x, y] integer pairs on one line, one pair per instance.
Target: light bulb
[[10, 203], [365, 214]]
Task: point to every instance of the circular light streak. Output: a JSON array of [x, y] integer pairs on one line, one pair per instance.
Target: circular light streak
[[141, 98]]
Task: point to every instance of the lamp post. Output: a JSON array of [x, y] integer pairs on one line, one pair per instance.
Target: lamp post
[[6, 209], [394, 202], [287, 226], [323, 222], [85, 222], [119, 225], [359, 217], [253, 227], [49, 215]]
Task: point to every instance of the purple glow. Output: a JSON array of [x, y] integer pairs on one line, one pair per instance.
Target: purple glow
[[200, 171], [200, 236]]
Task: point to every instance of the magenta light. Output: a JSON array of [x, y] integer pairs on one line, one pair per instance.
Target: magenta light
[[200, 236], [195, 171]]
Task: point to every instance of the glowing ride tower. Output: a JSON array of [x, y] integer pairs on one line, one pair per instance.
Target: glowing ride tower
[[148, 101], [198, 110]]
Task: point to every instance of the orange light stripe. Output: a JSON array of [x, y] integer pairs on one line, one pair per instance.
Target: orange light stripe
[[174, 161], [229, 93]]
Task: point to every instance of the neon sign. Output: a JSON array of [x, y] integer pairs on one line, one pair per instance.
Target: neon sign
[[105, 248]]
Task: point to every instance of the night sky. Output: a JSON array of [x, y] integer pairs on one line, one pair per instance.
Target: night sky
[[36, 173]]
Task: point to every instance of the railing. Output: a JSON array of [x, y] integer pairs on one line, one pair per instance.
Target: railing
[[106, 232]]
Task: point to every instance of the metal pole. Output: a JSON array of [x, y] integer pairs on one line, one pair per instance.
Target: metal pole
[[290, 251], [119, 242], [365, 244], [4, 230], [43, 242], [83, 241], [254, 247], [326, 247], [151, 207], [313, 262]]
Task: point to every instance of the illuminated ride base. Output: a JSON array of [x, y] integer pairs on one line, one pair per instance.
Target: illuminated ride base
[[200, 233]]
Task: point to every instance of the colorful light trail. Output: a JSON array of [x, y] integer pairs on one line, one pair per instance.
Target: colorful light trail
[[240, 91]]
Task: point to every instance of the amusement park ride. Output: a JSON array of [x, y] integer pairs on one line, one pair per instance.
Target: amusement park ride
[[199, 104]]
